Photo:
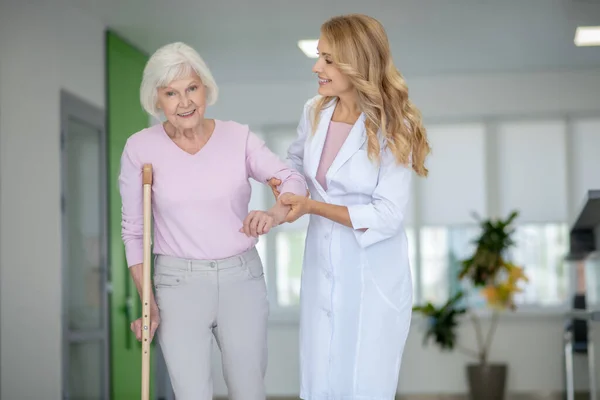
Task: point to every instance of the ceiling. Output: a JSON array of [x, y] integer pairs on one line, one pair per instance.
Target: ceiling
[[254, 41]]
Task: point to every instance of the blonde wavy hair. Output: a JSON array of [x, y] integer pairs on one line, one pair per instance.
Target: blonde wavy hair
[[361, 51]]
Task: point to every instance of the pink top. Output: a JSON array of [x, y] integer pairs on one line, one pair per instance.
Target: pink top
[[199, 201], [336, 135]]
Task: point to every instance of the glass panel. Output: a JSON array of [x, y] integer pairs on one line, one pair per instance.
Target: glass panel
[[290, 252], [462, 246], [83, 208], [434, 265], [85, 370], [541, 249], [442, 250]]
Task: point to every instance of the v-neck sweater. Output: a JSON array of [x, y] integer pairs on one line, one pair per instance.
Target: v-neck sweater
[[199, 201]]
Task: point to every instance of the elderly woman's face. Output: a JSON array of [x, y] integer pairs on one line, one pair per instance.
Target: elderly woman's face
[[183, 102]]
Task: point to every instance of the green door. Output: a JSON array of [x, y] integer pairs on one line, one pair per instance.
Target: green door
[[125, 65]]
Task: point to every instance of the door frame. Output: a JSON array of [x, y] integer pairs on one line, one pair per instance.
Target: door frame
[[73, 107]]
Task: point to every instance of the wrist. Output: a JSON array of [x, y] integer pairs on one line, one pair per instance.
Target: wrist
[[154, 309], [278, 212], [311, 205]]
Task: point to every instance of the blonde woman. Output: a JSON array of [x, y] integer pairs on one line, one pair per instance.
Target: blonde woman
[[358, 144], [209, 279]]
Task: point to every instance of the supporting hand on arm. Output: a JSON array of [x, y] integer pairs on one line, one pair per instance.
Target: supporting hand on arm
[[262, 165], [304, 205]]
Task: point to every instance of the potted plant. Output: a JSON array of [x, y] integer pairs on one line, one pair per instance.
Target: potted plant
[[497, 280]]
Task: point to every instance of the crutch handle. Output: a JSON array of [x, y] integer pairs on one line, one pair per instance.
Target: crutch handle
[[147, 174]]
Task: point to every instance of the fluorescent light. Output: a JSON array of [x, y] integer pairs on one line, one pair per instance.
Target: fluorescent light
[[587, 36], [309, 48]]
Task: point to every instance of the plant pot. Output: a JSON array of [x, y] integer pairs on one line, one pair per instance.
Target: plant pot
[[487, 382]]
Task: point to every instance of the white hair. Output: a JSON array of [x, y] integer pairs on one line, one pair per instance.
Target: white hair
[[170, 62]]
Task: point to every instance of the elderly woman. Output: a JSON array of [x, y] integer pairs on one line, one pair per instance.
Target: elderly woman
[[208, 279]]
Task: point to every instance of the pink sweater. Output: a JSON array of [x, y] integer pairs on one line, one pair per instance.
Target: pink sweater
[[336, 136], [199, 201]]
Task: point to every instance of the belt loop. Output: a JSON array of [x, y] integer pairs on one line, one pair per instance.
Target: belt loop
[[189, 266]]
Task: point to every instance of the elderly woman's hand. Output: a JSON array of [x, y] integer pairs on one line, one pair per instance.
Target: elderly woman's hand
[[136, 326], [258, 223]]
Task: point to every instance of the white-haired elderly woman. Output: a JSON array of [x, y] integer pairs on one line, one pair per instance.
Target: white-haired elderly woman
[[208, 278]]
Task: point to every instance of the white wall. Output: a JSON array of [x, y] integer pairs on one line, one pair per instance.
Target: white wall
[[438, 97], [44, 46], [530, 343]]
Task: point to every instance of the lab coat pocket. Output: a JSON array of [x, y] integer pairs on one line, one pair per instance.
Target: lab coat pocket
[[385, 283], [387, 298]]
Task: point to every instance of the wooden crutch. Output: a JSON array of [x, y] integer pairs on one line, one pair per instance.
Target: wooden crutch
[[146, 284]]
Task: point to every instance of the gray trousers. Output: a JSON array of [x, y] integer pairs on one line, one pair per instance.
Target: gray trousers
[[225, 299]]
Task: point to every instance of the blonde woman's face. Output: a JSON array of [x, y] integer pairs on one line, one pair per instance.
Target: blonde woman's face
[[183, 102], [332, 82]]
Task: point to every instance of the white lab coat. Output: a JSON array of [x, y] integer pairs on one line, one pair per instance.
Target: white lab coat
[[356, 294]]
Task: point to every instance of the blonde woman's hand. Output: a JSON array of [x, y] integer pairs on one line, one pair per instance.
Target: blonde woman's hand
[[299, 205], [274, 184]]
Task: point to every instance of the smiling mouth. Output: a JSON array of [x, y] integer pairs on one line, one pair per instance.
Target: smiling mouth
[[324, 81], [187, 114]]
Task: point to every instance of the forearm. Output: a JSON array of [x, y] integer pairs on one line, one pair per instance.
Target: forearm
[[293, 183], [136, 272], [263, 165], [333, 212]]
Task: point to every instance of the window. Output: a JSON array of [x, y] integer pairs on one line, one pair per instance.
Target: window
[[442, 250], [290, 253], [457, 182], [531, 177], [456, 187], [540, 249], [434, 265]]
